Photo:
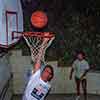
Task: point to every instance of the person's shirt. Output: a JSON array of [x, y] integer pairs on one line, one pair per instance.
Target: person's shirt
[[80, 67], [36, 88]]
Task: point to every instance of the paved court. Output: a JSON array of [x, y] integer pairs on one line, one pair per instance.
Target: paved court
[[63, 97]]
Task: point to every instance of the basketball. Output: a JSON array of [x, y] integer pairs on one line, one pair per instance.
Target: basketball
[[39, 19]]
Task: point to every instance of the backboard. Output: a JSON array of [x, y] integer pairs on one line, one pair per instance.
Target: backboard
[[11, 19]]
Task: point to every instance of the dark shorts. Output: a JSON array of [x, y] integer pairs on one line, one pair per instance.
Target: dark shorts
[[83, 82], [78, 79]]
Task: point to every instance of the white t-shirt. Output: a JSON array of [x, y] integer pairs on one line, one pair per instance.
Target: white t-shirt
[[80, 67], [36, 88]]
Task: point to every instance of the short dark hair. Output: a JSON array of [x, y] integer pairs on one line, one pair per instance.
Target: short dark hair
[[82, 53]]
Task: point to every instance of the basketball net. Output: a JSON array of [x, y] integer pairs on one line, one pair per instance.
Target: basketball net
[[38, 43]]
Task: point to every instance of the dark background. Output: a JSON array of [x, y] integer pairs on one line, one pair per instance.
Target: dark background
[[75, 24]]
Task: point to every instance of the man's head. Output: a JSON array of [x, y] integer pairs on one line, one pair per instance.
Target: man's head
[[47, 73], [81, 55]]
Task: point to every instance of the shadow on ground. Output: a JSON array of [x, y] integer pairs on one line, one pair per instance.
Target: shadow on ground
[[62, 97]]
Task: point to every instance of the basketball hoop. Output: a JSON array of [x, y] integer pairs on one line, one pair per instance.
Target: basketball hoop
[[38, 42]]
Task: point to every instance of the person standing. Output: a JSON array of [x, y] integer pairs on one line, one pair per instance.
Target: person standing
[[81, 67]]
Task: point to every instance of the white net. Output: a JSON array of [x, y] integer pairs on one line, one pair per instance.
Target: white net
[[38, 46]]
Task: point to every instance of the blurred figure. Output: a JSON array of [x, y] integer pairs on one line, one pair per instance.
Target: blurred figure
[[81, 67]]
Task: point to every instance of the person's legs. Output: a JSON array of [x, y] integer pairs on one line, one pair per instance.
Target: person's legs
[[84, 87], [77, 81]]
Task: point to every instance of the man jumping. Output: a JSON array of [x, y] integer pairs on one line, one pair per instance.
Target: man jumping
[[38, 85]]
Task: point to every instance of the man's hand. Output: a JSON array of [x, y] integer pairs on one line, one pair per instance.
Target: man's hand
[[81, 78]]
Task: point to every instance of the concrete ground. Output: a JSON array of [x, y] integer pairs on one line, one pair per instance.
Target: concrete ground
[[62, 97]]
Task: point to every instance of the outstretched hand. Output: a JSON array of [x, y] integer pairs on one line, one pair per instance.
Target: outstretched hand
[[46, 34]]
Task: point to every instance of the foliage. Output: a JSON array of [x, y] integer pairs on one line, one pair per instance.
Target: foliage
[[76, 26], [81, 33]]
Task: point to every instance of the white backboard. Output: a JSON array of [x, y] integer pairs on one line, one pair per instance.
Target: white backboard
[[11, 19]]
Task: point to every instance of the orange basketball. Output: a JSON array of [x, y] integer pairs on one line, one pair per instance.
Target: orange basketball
[[39, 19]]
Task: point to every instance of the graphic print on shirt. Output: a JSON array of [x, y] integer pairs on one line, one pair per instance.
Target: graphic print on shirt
[[39, 91]]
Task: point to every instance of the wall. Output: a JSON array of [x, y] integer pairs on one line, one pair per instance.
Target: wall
[[20, 66], [5, 78], [61, 83]]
